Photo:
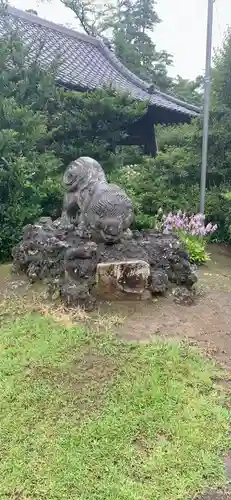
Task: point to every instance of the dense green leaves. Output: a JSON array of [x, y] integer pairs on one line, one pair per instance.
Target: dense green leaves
[[189, 90], [91, 123], [24, 171], [26, 177], [172, 180], [222, 74]]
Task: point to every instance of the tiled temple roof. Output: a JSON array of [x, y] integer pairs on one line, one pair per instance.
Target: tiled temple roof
[[86, 62]]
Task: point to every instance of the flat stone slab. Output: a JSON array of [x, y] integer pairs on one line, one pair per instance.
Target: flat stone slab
[[129, 277]]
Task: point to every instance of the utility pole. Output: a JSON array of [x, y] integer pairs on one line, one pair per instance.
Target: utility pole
[[206, 105]]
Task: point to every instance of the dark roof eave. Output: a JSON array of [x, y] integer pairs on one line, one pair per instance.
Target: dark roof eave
[[168, 116], [181, 117]]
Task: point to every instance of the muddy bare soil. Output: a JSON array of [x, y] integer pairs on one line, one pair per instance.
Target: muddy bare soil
[[206, 323], [216, 495]]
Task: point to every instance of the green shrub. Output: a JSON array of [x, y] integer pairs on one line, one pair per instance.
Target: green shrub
[[150, 186], [93, 124], [27, 178], [42, 129], [196, 248]]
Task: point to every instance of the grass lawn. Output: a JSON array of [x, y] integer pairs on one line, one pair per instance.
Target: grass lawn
[[85, 417]]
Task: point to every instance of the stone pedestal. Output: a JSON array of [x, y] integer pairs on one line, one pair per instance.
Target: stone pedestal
[[79, 270], [126, 279]]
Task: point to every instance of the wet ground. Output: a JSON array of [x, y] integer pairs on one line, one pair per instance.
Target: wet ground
[[216, 495], [206, 323]]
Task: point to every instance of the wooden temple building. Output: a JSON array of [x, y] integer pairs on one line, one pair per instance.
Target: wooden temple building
[[86, 63]]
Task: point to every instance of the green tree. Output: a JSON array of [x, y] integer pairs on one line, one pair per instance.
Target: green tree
[[134, 22], [190, 91], [28, 177], [128, 24], [93, 124], [221, 76], [171, 181]]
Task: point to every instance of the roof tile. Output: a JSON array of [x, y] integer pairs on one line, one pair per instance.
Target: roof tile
[[85, 62]]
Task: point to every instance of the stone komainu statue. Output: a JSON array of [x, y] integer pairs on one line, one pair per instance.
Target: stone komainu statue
[[101, 208]]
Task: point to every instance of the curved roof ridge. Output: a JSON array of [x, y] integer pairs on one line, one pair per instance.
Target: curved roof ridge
[[142, 83], [123, 77]]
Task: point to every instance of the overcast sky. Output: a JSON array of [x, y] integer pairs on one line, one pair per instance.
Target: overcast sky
[[182, 32]]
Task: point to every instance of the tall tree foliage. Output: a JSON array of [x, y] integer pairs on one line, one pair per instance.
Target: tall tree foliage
[[221, 82], [129, 25], [190, 91], [133, 43], [92, 124]]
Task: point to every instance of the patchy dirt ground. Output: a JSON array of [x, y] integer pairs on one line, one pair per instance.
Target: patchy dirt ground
[[216, 495], [206, 323]]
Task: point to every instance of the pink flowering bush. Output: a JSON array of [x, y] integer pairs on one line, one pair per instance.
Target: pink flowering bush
[[193, 225], [192, 231]]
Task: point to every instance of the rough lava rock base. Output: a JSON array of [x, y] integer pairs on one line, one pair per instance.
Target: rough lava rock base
[[55, 253]]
